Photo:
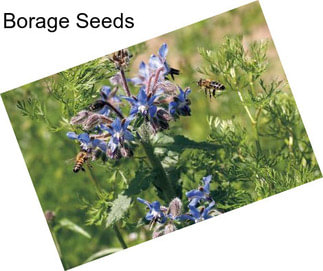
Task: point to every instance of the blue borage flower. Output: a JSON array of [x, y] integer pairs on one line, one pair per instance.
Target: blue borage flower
[[159, 61], [143, 75], [197, 214], [180, 104], [201, 207], [200, 194], [120, 136], [142, 104], [155, 214], [156, 102], [104, 93], [157, 66], [86, 142]]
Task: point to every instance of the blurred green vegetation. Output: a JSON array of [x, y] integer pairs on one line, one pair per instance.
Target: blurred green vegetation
[[49, 155]]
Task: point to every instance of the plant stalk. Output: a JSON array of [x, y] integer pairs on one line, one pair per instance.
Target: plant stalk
[[119, 236], [162, 181], [120, 115], [125, 83], [254, 122], [246, 108]]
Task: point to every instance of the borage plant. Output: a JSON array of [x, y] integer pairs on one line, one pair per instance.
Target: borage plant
[[127, 116], [112, 130], [255, 147]]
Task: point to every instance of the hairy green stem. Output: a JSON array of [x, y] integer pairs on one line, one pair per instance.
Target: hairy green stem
[[98, 188], [58, 247], [162, 181], [119, 236]]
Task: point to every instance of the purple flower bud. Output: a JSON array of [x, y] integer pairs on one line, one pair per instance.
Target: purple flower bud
[[80, 117], [116, 80], [175, 207], [94, 120], [170, 227], [167, 87], [50, 216], [157, 234]]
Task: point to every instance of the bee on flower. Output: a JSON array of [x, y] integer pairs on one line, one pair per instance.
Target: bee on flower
[[105, 122]]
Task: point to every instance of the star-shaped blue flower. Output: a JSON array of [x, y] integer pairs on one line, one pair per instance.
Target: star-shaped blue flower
[[202, 193], [154, 213], [159, 61], [156, 62], [119, 135], [197, 214], [180, 104], [142, 104], [86, 142], [143, 75]]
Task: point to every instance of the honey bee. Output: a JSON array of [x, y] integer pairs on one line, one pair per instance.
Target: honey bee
[[97, 105], [80, 159], [172, 72], [211, 87]]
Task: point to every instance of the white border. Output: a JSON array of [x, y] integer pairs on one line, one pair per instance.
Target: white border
[[283, 232]]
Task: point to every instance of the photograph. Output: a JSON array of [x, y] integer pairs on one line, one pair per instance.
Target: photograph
[[162, 135]]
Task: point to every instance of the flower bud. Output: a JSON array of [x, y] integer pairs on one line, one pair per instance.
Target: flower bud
[[157, 234], [92, 121], [50, 216], [80, 117], [121, 59], [175, 207], [116, 79], [168, 87], [170, 227]]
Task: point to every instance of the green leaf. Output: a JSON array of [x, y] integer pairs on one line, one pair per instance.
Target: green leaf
[[180, 143], [68, 224], [162, 139], [140, 183], [119, 208], [101, 253]]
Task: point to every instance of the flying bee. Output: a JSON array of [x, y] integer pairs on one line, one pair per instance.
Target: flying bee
[[97, 105], [80, 159], [172, 72], [211, 87]]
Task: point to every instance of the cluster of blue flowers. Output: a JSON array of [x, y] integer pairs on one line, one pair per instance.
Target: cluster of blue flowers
[[158, 101], [201, 207], [197, 197]]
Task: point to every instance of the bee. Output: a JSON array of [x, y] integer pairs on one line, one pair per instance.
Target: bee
[[172, 72], [210, 86], [97, 105], [80, 159]]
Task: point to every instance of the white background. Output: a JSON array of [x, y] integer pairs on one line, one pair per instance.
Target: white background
[[283, 232]]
